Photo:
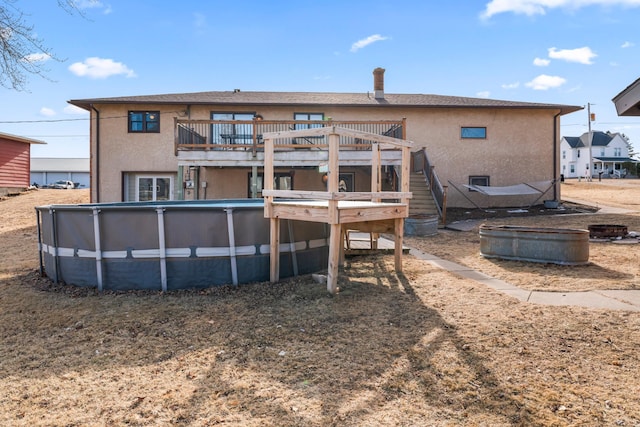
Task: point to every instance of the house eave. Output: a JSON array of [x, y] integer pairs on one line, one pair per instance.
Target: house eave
[[324, 100], [22, 139], [627, 102]]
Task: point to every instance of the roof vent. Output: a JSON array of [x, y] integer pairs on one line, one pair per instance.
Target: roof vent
[[378, 83]]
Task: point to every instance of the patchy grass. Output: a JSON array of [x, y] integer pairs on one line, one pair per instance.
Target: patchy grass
[[422, 348]]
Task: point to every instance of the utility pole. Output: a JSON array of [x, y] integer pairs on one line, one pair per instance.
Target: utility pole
[[590, 143]]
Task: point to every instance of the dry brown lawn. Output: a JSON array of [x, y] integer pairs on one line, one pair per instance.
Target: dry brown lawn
[[422, 348]]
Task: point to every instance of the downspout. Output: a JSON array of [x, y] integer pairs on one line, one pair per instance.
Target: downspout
[[97, 157], [555, 156]]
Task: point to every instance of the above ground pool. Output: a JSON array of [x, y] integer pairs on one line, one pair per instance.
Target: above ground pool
[[171, 245]]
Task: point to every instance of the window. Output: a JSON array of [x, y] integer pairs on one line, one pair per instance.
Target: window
[[564, 155], [602, 151], [482, 180], [573, 168], [144, 121], [307, 117], [230, 133], [578, 153], [153, 188], [281, 181], [473, 133], [617, 152]]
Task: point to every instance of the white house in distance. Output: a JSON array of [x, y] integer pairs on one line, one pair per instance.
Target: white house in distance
[[47, 170], [608, 152]]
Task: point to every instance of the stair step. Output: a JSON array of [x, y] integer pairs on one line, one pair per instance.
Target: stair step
[[422, 202]]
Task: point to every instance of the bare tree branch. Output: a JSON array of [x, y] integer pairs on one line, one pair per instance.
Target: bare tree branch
[[22, 53]]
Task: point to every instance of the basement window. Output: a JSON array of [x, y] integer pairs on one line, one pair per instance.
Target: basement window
[[482, 180], [473, 132]]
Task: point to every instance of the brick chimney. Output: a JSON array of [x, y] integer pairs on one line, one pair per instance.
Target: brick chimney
[[378, 83]]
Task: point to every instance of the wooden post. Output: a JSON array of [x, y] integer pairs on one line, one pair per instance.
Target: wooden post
[[335, 236], [267, 182], [397, 250], [334, 258], [274, 254], [274, 233], [405, 173], [343, 237], [375, 169], [334, 176]]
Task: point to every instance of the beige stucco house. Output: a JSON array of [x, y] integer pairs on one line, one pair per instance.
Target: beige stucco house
[[208, 144]]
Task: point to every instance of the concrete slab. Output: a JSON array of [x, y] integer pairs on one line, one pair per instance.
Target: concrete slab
[[473, 275], [518, 294], [628, 300], [448, 265], [501, 285], [580, 299], [422, 255], [626, 296]]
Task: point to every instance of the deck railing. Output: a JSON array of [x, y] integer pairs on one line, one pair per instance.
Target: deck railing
[[247, 134], [421, 163]]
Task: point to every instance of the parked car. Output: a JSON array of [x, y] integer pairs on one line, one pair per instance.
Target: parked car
[[64, 184]]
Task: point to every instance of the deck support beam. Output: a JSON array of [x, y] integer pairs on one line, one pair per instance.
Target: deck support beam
[[274, 254], [334, 258]]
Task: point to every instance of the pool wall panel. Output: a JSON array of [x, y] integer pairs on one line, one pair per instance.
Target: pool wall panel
[[130, 250]]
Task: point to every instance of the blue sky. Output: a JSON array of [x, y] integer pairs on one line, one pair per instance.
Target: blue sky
[[553, 51]]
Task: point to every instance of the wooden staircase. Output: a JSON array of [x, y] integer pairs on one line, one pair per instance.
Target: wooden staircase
[[422, 202]]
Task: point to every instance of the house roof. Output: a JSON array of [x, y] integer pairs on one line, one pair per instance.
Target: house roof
[[574, 141], [17, 138], [238, 97], [600, 139], [627, 102], [48, 164]]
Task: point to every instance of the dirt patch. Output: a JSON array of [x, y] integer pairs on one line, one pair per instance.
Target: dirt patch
[[422, 348]]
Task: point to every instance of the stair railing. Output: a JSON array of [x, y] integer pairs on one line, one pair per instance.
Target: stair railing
[[421, 163]]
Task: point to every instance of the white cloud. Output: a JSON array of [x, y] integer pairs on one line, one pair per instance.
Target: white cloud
[[582, 55], [541, 62], [627, 44], [544, 82], [540, 7], [37, 57], [511, 85], [100, 68], [483, 94], [72, 109], [366, 42], [47, 112], [199, 20]]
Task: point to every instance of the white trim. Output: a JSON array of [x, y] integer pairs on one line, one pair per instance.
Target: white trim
[[154, 177]]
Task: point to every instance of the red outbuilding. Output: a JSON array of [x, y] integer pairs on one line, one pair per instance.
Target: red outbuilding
[[15, 160]]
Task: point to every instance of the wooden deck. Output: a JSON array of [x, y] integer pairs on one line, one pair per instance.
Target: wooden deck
[[343, 211]]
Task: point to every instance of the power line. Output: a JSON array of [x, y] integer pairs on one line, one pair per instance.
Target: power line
[[56, 136], [42, 121], [76, 120]]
